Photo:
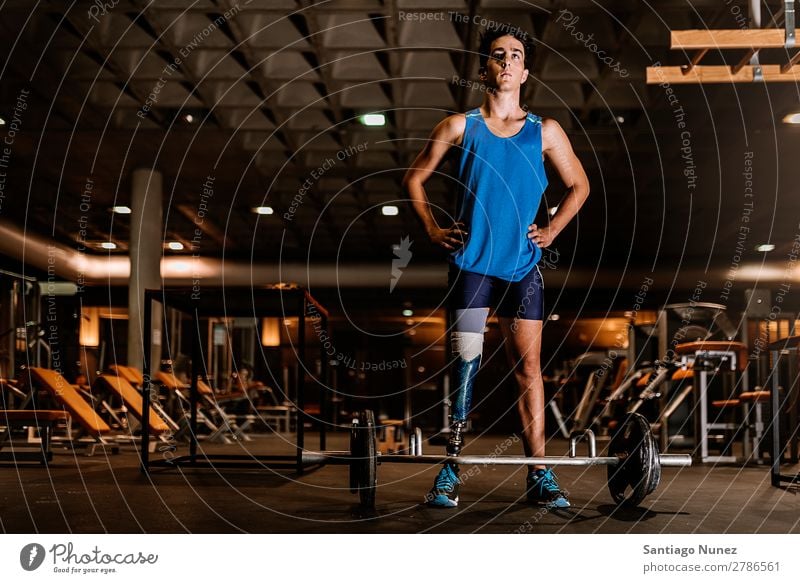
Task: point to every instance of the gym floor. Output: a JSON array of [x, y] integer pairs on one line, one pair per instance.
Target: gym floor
[[108, 494]]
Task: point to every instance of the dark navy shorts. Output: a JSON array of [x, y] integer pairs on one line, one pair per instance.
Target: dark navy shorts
[[522, 299]]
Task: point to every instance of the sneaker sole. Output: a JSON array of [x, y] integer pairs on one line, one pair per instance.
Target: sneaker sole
[[442, 501], [557, 503]]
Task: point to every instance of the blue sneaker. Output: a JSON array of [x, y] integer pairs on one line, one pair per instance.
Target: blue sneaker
[[542, 488], [444, 493]]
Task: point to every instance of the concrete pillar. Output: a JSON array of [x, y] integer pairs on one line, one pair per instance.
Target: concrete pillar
[[145, 254]]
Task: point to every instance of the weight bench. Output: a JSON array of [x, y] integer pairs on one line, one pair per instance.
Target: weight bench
[[43, 420], [277, 416], [753, 403], [118, 386], [129, 373], [135, 378], [239, 424], [711, 357], [65, 394], [672, 404], [206, 397]]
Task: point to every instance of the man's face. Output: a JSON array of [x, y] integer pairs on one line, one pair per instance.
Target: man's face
[[505, 68]]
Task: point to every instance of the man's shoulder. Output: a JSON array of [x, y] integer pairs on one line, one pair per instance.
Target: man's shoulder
[[452, 127], [457, 120], [549, 124], [552, 133]]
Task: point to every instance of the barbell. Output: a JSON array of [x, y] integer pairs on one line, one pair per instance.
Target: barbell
[[633, 461]]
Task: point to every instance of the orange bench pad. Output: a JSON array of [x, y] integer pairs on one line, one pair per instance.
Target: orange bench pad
[[129, 373], [133, 400], [717, 345], [66, 394]]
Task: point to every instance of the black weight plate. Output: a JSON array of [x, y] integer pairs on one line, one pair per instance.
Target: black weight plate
[[617, 482], [655, 465], [368, 462], [634, 445], [641, 447], [617, 475], [648, 458]]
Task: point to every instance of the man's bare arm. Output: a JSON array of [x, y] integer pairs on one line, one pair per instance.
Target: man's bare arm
[[445, 135], [558, 151]]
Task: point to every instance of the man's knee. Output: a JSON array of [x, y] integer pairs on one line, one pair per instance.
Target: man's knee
[[530, 369]]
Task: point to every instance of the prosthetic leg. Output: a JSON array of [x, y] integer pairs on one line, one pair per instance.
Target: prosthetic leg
[[464, 372], [467, 343]]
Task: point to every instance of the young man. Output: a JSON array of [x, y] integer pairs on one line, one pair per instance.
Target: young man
[[494, 244]]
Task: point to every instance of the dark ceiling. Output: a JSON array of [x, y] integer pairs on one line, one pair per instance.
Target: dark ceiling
[[277, 86]]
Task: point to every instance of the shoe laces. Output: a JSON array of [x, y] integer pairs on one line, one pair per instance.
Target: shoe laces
[[446, 479], [545, 480]]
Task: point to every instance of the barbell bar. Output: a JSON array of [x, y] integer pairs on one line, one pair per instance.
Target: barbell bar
[[674, 460], [310, 458], [634, 464], [669, 460]]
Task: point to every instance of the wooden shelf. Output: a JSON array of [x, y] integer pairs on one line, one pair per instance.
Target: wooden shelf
[[752, 40], [758, 38], [719, 74]]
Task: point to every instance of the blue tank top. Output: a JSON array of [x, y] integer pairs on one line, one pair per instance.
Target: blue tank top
[[502, 181]]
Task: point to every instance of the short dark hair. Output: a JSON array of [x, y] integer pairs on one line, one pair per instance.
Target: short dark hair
[[497, 30]]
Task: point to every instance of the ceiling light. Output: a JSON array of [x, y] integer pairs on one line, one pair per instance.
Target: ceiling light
[[263, 210], [554, 317], [189, 118], [108, 245], [175, 245], [792, 118], [181, 266], [121, 210], [620, 119], [552, 210], [390, 210], [764, 247], [2, 121], [408, 313], [373, 119]]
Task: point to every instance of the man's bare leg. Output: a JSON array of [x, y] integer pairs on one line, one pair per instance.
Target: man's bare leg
[[523, 339]]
